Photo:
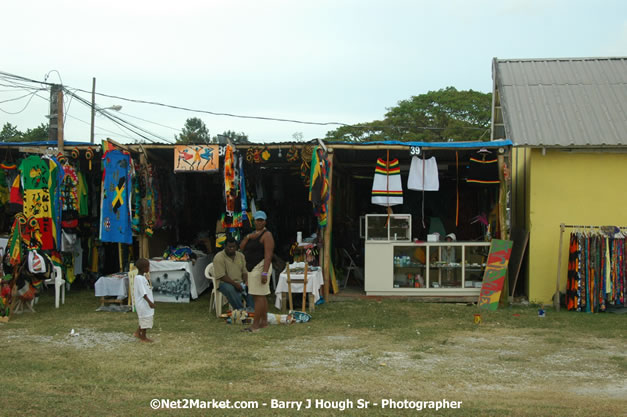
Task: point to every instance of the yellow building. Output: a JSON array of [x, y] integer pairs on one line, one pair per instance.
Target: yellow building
[[567, 119]]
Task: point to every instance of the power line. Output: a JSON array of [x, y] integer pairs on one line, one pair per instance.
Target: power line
[[356, 126], [24, 108], [121, 122]]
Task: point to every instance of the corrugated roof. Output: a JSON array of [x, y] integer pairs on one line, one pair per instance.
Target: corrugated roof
[[563, 102]]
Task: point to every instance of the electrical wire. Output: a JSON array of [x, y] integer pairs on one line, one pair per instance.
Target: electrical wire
[[120, 121], [4, 75], [24, 108]]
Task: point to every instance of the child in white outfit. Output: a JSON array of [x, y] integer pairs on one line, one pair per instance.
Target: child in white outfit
[[144, 304]]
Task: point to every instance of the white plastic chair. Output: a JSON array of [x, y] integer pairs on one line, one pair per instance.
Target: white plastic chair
[[216, 299], [56, 278]]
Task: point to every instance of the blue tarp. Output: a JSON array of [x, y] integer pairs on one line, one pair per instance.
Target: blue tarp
[[45, 143], [472, 145]]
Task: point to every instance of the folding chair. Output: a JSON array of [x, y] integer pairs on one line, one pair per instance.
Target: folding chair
[[350, 265]]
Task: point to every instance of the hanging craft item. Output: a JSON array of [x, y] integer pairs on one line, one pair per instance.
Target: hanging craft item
[[292, 154], [115, 217], [319, 188], [75, 153], [265, 154], [89, 155], [196, 158], [305, 166], [386, 187]]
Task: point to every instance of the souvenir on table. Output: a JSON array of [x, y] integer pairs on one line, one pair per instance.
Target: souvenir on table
[[196, 158], [115, 218]]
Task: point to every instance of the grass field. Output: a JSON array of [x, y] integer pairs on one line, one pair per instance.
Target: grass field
[[512, 364]]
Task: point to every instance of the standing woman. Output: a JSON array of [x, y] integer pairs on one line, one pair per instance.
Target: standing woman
[[258, 248]]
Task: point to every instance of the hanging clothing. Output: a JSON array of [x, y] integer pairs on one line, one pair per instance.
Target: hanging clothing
[[423, 175], [115, 217], [483, 172], [386, 186], [36, 178]]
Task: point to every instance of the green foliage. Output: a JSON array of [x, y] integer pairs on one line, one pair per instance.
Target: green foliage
[[194, 132], [11, 133], [437, 116], [234, 137]]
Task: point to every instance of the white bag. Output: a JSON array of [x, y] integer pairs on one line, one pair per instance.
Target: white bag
[[36, 263]]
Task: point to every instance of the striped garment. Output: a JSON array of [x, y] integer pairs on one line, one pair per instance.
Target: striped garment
[[386, 187]]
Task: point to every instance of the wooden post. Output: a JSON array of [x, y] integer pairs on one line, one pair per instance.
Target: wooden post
[[60, 120], [121, 257], [556, 298], [289, 287], [328, 230], [93, 109], [144, 251], [305, 284]]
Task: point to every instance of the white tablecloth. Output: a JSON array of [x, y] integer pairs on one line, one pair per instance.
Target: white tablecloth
[[112, 286], [315, 280], [197, 271]]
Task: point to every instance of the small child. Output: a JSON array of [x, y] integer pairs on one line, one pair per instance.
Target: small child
[[143, 299]]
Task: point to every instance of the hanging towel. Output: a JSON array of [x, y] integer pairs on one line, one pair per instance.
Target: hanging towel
[[430, 181], [386, 187]]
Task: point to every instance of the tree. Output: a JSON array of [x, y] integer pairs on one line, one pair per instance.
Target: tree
[[436, 116], [40, 133], [233, 136], [194, 131], [10, 133]]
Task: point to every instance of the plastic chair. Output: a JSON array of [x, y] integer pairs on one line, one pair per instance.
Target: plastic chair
[[216, 298], [56, 278], [350, 265]]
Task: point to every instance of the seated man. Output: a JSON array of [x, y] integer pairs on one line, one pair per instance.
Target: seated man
[[229, 266]]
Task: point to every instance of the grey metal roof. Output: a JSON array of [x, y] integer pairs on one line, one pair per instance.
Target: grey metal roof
[[563, 102]]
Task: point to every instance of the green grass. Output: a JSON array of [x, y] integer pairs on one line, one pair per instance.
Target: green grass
[[514, 363]]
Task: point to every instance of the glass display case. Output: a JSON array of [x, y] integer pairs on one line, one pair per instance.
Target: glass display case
[[398, 228], [446, 265]]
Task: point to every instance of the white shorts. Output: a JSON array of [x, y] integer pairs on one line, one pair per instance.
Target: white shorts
[[146, 322]]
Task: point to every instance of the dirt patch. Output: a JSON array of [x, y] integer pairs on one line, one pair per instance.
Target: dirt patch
[[494, 362], [82, 339]]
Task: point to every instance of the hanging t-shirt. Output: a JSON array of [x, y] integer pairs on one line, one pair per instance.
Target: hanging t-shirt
[[35, 176], [386, 186], [483, 172], [69, 197], [423, 175], [115, 217]]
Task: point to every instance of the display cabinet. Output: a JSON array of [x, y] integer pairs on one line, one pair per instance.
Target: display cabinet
[[397, 229], [425, 268]]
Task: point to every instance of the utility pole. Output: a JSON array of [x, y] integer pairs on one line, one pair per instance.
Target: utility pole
[[53, 115], [93, 109], [60, 119]]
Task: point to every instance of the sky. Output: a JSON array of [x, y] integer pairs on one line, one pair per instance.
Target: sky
[[315, 61]]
